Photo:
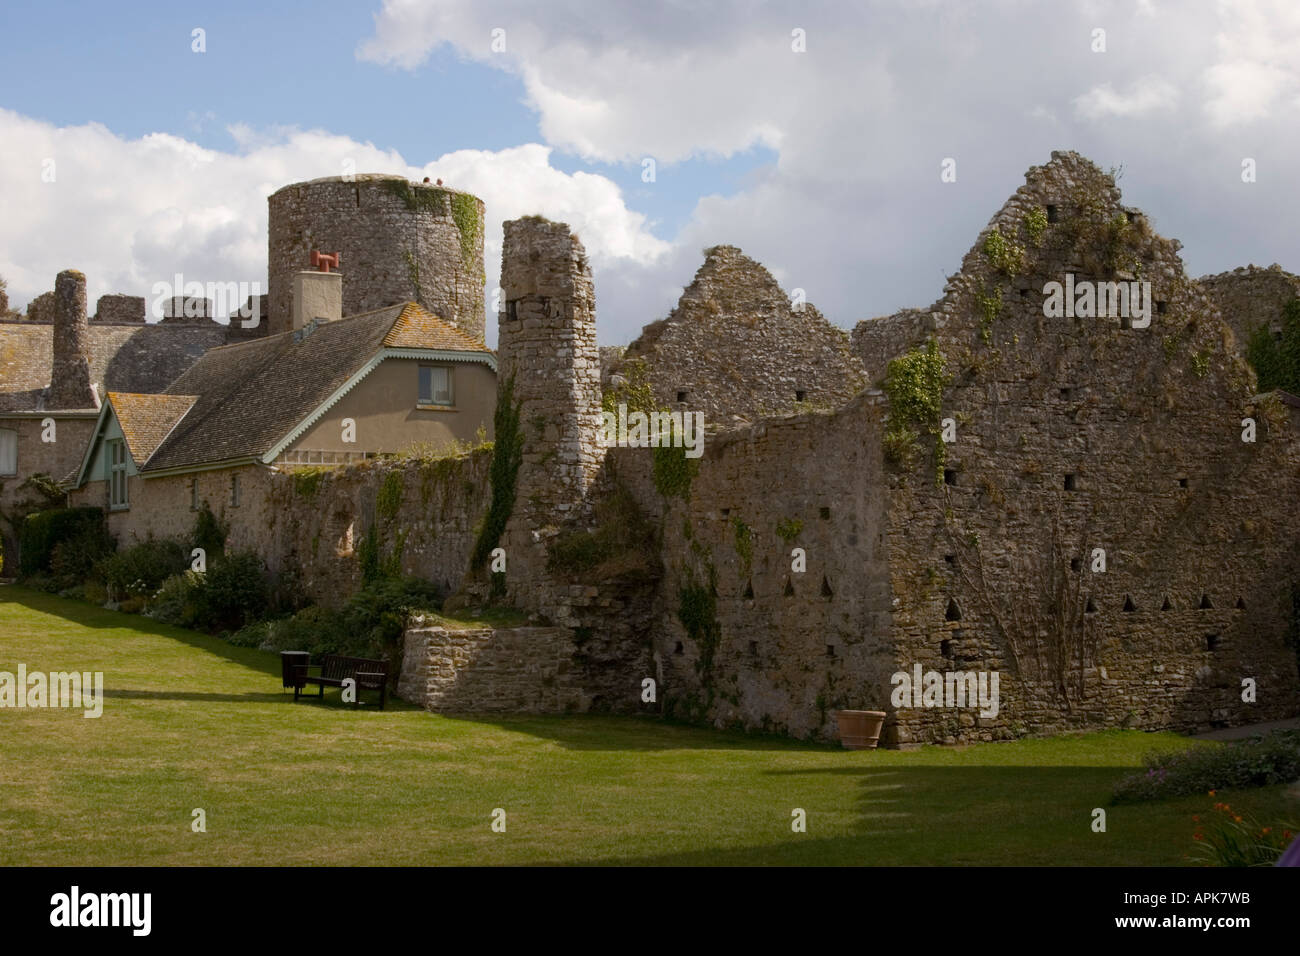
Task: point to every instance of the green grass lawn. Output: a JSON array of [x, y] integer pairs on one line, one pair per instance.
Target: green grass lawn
[[190, 721]]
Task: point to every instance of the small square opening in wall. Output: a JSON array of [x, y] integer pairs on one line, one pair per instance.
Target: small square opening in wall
[[681, 396], [1206, 603], [950, 558], [824, 513], [679, 649], [1071, 482], [1211, 642], [1090, 607], [830, 650], [950, 476], [512, 310], [753, 648], [1076, 564], [1065, 394], [1241, 605], [800, 395], [1132, 216], [1161, 306], [1024, 293], [1051, 212], [945, 648], [1182, 483], [725, 512], [1126, 322]]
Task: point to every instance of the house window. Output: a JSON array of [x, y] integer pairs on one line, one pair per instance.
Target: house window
[[8, 451], [435, 385], [117, 474], [194, 494], [234, 491]]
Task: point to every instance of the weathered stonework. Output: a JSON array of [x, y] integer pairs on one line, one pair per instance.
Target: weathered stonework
[[70, 374], [547, 355], [120, 310], [735, 348], [514, 670], [400, 241], [1250, 297]]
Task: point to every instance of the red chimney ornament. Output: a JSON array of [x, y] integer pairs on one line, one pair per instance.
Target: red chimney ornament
[[324, 260]]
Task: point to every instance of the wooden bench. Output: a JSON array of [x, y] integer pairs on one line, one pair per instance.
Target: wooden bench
[[369, 674]]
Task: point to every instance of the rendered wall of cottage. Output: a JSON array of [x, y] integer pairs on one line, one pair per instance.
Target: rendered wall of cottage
[[388, 418]]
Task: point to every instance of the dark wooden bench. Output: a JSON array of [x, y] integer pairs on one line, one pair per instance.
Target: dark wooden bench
[[369, 674]]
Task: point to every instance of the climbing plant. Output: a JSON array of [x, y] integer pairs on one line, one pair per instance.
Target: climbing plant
[[507, 455], [914, 384], [1277, 360]]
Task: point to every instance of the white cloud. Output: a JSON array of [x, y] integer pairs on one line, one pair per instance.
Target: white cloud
[[1146, 95], [130, 212]]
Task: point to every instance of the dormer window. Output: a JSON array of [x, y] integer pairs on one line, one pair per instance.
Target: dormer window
[[435, 385]]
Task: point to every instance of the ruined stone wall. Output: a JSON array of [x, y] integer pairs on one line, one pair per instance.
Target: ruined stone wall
[[547, 355], [876, 341], [316, 523], [1078, 434], [514, 670], [423, 512], [120, 310], [772, 647], [737, 350], [399, 241], [1250, 297]]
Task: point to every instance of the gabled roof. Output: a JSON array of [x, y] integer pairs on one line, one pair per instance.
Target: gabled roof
[[148, 419], [256, 397]]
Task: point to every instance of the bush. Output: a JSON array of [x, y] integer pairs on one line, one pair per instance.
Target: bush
[[175, 601], [73, 560], [371, 624], [233, 592], [42, 531], [141, 569], [1257, 762]]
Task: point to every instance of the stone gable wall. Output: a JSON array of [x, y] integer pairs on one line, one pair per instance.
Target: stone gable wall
[[1249, 297], [735, 349]]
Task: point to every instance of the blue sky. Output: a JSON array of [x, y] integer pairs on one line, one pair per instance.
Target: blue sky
[[140, 76], [822, 162]]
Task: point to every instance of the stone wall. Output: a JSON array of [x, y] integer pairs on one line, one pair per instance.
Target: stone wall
[[527, 670], [1079, 434], [399, 241], [1250, 297], [876, 341], [736, 349], [120, 310], [70, 372]]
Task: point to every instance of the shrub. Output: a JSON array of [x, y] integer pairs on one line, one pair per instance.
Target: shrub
[[1257, 762], [73, 560], [44, 530], [233, 592], [175, 601], [209, 534], [142, 568]]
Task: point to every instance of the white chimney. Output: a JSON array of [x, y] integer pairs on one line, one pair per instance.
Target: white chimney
[[317, 295]]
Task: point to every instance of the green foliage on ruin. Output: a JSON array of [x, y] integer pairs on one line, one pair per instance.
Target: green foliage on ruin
[[1201, 363], [621, 544], [1005, 255], [990, 305], [744, 536], [787, 529], [439, 202], [1036, 224], [413, 273], [376, 566], [464, 211], [307, 481], [388, 500], [507, 455], [914, 384], [697, 609], [673, 471], [1277, 361], [635, 391]]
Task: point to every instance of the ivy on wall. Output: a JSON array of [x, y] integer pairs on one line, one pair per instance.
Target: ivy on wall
[[914, 384], [507, 455]]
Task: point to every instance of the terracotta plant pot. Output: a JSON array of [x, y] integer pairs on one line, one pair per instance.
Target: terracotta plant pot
[[859, 729]]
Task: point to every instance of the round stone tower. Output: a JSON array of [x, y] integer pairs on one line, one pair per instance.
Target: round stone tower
[[398, 241]]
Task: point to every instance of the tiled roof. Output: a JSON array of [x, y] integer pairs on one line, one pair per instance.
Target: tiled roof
[[251, 395], [417, 329], [147, 419]]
